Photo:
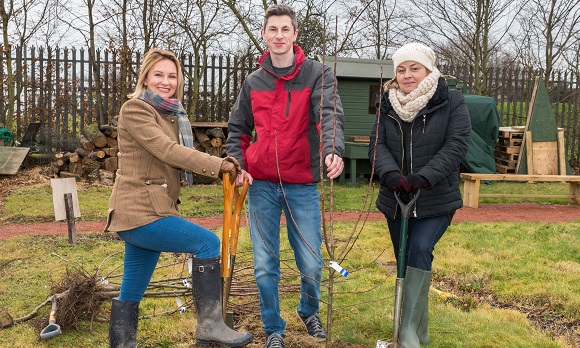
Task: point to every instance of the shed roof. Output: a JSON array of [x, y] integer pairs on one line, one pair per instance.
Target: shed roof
[[359, 68]]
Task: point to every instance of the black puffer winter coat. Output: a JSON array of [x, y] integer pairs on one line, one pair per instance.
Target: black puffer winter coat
[[439, 138]]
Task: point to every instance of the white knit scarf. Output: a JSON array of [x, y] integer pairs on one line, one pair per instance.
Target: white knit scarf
[[407, 106]]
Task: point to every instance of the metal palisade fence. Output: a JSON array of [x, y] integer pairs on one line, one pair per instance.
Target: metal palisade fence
[[56, 87]]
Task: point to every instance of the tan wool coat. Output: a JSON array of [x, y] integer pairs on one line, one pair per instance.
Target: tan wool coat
[[147, 183]]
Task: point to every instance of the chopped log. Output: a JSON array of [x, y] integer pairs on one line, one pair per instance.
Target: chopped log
[[111, 164], [93, 133], [111, 142], [89, 166], [76, 168], [55, 168], [58, 155], [82, 152], [86, 143], [202, 138], [102, 176], [216, 142], [111, 151], [217, 151], [114, 121], [71, 157], [69, 175], [215, 133], [109, 130], [97, 154], [197, 146], [59, 163]]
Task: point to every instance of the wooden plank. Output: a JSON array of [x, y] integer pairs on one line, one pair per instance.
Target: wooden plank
[[508, 149], [360, 139], [510, 133], [472, 181], [510, 141], [522, 195], [520, 177], [11, 158], [561, 153], [529, 153], [528, 118], [500, 168], [510, 164], [545, 157], [506, 156], [209, 124]]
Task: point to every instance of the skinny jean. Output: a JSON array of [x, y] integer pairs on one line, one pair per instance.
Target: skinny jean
[[422, 235], [301, 207], [144, 244]]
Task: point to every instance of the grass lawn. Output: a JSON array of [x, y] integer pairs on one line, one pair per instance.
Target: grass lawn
[[513, 284]]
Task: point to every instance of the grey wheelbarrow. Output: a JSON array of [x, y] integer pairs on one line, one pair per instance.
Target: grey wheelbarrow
[[401, 269], [52, 329]]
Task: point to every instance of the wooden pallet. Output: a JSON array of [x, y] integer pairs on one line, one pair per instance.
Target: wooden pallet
[[506, 156], [510, 142], [508, 149], [503, 169]]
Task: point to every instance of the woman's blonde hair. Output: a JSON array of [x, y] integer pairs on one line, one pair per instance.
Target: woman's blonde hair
[[151, 58]]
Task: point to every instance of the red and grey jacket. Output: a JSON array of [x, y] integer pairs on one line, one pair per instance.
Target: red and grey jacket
[[275, 124]]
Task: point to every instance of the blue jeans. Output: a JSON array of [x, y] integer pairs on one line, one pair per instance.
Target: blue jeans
[[302, 210], [422, 234], [144, 244]]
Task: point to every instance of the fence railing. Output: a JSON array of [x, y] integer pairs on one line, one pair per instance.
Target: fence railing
[[56, 87]]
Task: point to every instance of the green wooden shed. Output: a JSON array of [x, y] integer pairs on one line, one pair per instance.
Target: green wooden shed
[[359, 88]]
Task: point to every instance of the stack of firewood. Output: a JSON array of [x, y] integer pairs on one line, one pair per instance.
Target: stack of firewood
[[210, 139], [94, 160]]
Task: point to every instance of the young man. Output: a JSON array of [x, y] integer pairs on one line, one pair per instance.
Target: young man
[[274, 132]]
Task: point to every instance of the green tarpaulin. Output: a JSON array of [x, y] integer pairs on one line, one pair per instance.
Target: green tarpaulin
[[484, 132]]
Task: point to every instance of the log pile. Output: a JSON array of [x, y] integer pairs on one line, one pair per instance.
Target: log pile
[[210, 137], [94, 160]]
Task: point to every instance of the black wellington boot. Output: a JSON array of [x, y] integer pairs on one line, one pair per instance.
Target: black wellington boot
[[123, 324], [414, 316], [208, 305]]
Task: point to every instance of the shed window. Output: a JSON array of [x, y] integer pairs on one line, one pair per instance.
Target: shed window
[[374, 97]]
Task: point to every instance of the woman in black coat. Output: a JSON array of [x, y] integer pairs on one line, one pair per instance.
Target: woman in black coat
[[417, 143]]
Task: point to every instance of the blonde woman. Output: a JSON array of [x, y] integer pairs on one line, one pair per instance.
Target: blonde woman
[[155, 154]]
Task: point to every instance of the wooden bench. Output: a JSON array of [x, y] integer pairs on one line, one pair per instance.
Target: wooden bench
[[472, 183]]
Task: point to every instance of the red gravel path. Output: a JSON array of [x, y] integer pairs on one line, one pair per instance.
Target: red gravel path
[[519, 212]]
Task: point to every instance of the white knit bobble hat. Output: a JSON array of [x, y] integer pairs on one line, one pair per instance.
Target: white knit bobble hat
[[415, 52]]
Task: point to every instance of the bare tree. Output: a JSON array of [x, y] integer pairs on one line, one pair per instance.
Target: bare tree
[[23, 21], [468, 30], [374, 27], [551, 30]]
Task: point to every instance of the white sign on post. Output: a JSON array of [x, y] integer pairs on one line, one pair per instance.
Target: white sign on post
[[59, 188]]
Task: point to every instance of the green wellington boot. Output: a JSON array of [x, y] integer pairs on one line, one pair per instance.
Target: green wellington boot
[[415, 311], [208, 305]]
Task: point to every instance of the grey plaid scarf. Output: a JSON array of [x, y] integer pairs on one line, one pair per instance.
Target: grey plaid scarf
[[173, 107]]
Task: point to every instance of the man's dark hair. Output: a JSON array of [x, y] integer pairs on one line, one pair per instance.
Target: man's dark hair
[[281, 10]]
